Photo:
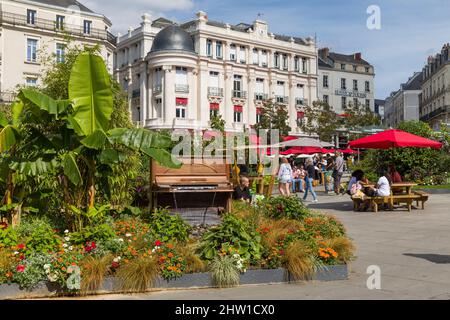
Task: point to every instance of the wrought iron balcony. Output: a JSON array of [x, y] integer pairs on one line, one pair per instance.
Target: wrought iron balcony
[[281, 99], [215, 92], [239, 94], [261, 96], [157, 89], [435, 113], [52, 25], [301, 102], [182, 88]]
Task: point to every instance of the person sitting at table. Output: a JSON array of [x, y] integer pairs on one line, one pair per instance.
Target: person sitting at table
[[298, 177], [242, 191], [355, 183], [394, 175], [382, 188]]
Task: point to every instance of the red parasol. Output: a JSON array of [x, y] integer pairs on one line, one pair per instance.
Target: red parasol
[[394, 139]]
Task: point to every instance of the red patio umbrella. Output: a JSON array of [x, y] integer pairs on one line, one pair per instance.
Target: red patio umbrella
[[349, 151], [394, 139]]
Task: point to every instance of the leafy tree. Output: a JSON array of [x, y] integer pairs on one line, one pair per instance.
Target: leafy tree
[[359, 116], [274, 116], [320, 120], [73, 137], [217, 123]]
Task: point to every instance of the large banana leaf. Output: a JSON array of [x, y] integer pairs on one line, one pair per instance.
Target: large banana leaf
[[96, 140], [43, 101], [16, 108], [8, 138], [3, 120], [34, 168], [71, 168], [150, 143], [91, 94]]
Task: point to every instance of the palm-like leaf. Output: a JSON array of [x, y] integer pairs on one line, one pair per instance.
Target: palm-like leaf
[[91, 94], [71, 168], [34, 168], [43, 101], [8, 138], [96, 140]]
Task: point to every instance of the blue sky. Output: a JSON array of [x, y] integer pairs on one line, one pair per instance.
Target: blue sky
[[411, 30]]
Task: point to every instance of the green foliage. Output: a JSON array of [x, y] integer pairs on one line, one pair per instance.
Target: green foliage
[[102, 232], [165, 227], [320, 120], [34, 271], [284, 207], [217, 123], [39, 236], [234, 233], [274, 116], [8, 237], [224, 272], [358, 116]]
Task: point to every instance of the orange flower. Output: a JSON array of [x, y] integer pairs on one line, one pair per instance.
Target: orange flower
[[9, 274], [170, 255], [170, 246], [63, 268]]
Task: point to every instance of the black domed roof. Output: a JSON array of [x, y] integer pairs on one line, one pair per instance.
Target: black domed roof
[[173, 38]]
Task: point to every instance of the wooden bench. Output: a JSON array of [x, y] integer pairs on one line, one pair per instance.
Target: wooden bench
[[373, 202], [408, 199]]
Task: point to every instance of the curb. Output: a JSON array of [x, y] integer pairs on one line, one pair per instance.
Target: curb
[[111, 285]]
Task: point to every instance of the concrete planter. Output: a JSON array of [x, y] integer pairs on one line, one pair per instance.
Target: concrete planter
[[187, 281]]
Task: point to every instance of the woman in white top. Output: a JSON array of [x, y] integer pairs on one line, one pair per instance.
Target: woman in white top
[[285, 178], [383, 187]]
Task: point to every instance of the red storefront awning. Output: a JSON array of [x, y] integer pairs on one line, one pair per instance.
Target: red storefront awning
[[259, 111], [181, 101], [214, 106], [238, 108], [300, 115]]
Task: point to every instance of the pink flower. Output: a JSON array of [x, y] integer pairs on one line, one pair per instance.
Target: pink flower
[[20, 268]]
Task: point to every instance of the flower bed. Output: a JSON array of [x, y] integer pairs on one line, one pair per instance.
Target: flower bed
[[160, 251]]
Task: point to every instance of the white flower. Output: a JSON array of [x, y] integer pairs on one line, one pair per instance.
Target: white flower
[[16, 252], [71, 248], [120, 240], [47, 266], [52, 277], [67, 238], [65, 245], [128, 235], [66, 231], [117, 259]]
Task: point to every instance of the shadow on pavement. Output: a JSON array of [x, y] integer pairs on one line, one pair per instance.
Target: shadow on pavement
[[435, 258], [338, 206]]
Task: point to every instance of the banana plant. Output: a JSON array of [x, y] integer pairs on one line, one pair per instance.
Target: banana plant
[[72, 137]]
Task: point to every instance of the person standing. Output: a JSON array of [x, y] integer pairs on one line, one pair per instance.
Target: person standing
[[310, 172], [285, 177], [338, 172]]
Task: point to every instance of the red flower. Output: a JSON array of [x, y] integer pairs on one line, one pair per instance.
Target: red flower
[[22, 257], [114, 265], [20, 268], [281, 252], [157, 243], [93, 245], [3, 225], [21, 246]]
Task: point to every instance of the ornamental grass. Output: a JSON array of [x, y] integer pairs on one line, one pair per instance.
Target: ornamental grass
[[193, 262], [138, 274], [94, 270], [273, 229], [343, 246], [299, 261], [224, 272]]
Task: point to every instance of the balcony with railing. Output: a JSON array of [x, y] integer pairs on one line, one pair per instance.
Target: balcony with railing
[[52, 25], [261, 96], [433, 114], [215, 92], [282, 99], [239, 94], [157, 89], [182, 88], [7, 96], [301, 102]]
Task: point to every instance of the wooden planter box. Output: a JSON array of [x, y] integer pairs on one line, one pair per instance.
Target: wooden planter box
[[187, 281]]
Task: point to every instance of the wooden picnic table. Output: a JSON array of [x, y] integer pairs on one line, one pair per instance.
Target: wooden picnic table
[[404, 186]]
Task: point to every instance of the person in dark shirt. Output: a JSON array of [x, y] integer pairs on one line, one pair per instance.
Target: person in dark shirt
[[242, 192]]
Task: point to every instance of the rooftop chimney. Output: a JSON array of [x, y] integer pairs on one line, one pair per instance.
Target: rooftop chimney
[[324, 52], [357, 56], [202, 16]]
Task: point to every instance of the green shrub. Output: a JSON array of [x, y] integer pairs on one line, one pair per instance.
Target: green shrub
[[324, 226], [39, 236], [8, 237], [33, 271], [233, 233], [102, 232], [284, 207], [165, 227], [224, 272]]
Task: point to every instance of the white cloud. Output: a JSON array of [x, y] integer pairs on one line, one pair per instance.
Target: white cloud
[[125, 14]]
